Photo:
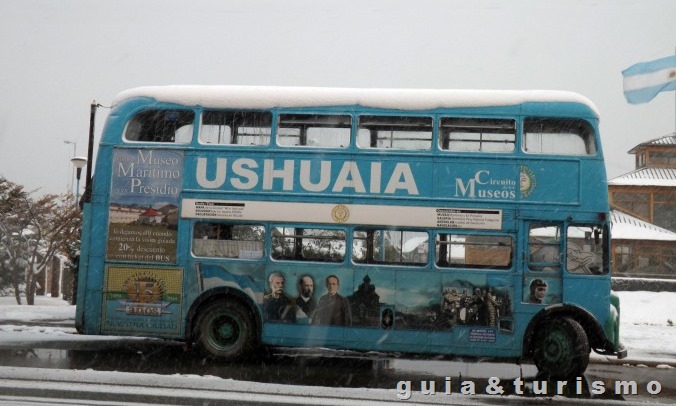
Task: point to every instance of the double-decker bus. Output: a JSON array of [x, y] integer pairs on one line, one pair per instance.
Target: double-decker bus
[[453, 222]]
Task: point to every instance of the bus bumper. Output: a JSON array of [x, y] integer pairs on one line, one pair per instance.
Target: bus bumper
[[622, 352]]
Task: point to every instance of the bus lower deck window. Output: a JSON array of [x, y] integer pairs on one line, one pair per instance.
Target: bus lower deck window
[[395, 247], [222, 240], [308, 244], [474, 251]]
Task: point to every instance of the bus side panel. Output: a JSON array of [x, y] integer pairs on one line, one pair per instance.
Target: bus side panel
[[476, 314], [298, 329], [95, 271], [590, 292], [97, 239]]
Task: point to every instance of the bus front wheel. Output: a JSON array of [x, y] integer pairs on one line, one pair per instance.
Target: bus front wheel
[[226, 330], [561, 348]]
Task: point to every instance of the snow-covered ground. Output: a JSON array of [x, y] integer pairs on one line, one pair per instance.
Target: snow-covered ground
[[647, 326]]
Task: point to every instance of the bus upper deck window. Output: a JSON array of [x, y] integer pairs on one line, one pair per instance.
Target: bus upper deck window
[[171, 126], [393, 132], [236, 128], [558, 137], [314, 130], [477, 134]]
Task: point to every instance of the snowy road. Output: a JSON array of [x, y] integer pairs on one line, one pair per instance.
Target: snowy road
[[53, 386], [152, 373], [95, 387]]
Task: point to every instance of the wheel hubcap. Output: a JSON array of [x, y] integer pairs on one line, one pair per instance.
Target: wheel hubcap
[[556, 346], [224, 332]]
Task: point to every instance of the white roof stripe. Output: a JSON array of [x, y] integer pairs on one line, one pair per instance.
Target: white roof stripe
[[404, 99]]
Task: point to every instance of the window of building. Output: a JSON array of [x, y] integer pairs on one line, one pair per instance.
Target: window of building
[[623, 260], [637, 204], [650, 262], [664, 210], [477, 134], [235, 128], [170, 126], [662, 158], [640, 160], [402, 133]]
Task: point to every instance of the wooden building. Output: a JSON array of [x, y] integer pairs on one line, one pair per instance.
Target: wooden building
[[644, 212]]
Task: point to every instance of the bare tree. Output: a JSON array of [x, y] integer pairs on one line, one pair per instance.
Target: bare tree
[[54, 222], [32, 232], [13, 242]]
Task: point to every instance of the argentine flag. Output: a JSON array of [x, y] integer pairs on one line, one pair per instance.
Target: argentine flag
[[643, 81]]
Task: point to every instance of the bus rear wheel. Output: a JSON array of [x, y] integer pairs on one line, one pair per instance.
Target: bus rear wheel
[[226, 330], [561, 348]]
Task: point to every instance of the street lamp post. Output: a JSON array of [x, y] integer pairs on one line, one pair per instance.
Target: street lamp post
[[79, 163], [74, 144]]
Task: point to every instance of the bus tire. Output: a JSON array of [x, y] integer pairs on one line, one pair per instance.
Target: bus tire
[[561, 348], [226, 330]]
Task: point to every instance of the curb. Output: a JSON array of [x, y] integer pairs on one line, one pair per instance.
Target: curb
[[649, 362]]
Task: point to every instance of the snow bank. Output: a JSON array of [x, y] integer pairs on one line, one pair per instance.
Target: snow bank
[[45, 309], [653, 308]]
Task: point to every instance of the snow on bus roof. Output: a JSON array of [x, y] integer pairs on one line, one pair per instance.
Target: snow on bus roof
[[402, 99]]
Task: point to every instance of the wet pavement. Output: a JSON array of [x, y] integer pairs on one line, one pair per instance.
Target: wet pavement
[[330, 368]]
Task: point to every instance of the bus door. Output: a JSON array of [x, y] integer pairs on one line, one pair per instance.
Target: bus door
[[587, 261], [543, 264]]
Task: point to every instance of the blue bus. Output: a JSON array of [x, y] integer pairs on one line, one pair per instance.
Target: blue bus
[[452, 222]]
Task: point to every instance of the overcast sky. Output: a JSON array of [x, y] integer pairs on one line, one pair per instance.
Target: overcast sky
[[58, 56]]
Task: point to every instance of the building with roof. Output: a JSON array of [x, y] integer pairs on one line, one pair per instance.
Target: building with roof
[[641, 249], [150, 216], [643, 204]]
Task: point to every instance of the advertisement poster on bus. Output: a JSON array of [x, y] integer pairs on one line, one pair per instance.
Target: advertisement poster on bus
[[143, 299], [144, 195]]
